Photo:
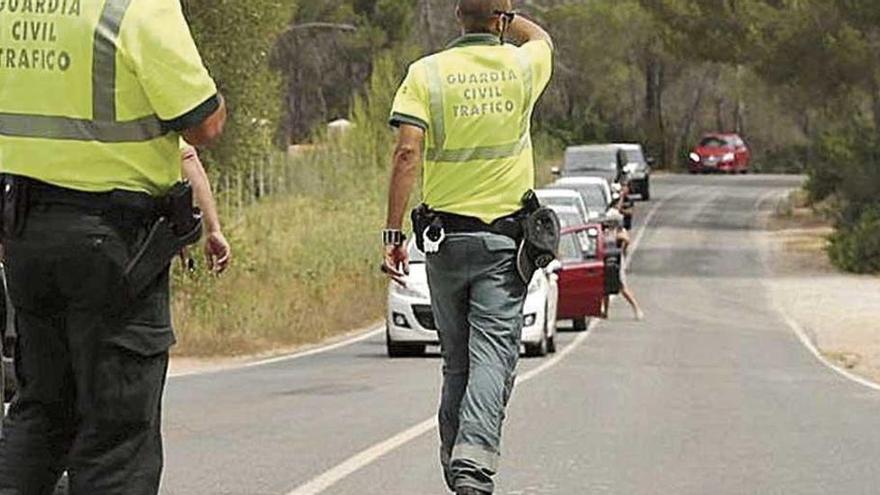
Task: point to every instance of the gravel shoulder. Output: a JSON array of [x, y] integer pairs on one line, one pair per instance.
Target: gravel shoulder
[[840, 312]]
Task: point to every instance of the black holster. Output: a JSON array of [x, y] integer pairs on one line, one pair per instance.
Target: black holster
[[14, 205], [179, 225]]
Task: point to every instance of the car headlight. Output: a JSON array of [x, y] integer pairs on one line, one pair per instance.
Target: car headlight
[[399, 320], [694, 157], [728, 157], [407, 291]]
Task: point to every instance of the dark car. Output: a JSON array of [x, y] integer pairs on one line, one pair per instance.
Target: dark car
[[636, 169], [726, 153], [592, 160]]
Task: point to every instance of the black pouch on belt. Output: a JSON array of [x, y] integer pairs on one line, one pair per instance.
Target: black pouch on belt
[[179, 225], [425, 220], [541, 235], [14, 205]]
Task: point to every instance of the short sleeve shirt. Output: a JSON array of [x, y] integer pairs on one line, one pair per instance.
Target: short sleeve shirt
[[99, 104], [475, 101]]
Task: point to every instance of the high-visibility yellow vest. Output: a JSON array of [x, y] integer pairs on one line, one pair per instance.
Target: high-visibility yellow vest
[[94, 92], [476, 100]]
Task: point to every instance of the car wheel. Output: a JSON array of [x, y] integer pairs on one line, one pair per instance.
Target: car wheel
[[396, 350], [579, 324], [538, 350], [646, 190]]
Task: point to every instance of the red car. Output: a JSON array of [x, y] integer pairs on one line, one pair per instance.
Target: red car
[[726, 153], [582, 288]]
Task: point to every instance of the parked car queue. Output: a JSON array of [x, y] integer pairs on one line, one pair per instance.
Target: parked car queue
[[576, 286]]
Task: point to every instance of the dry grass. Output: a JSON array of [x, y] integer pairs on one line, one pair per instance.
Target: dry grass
[[305, 270]]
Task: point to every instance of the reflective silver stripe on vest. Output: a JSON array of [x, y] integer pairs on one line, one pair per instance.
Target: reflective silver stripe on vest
[[104, 60], [525, 66], [439, 154], [46, 127], [480, 153], [103, 127], [435, 92]]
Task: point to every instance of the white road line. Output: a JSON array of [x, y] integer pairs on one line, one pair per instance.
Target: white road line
[[808, 343], [288, 357], [796, 327], [372, 454]]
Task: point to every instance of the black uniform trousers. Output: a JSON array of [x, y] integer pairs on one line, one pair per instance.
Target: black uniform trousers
[[91, 361]]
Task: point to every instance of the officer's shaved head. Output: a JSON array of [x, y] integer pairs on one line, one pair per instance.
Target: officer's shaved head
[[478, 16]]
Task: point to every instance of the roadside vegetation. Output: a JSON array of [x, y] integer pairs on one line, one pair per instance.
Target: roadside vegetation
[[798, 79]]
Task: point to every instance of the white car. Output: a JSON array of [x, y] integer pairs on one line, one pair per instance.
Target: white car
[[568, 216], [567, 198], [410, 325], [595, 192]]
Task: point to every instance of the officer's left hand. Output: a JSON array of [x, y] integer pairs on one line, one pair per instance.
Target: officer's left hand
[[396, 264], [218, 252]]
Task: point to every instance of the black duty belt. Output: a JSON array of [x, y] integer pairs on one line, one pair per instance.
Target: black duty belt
[[509, 226], [41, 193]]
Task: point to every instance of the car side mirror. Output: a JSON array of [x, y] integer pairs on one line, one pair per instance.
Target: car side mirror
[[556, 171], [651, 160]]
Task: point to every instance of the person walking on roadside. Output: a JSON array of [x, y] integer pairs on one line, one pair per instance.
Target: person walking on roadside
[[621, 237], [466, 112], [93, 212]]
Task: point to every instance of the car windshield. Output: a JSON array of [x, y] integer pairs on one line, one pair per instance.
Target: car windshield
[[567, 201], [591, 159], [569, 218], [594, 196], [713, 142], [634, 155]]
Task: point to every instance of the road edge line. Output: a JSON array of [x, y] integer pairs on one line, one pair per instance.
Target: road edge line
[[799, 331], [371, 454], [321, 349]]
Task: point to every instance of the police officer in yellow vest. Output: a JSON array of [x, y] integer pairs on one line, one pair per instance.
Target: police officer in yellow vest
[[466, 112], [94, 95]]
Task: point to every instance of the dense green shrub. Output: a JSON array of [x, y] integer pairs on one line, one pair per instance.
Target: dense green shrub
[[856, 247], [786, 160], [235, 38]]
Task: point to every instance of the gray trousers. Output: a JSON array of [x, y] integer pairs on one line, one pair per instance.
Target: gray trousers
[[477, 297]]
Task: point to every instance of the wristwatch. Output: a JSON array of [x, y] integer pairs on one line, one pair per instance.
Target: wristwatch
[[393, 237]]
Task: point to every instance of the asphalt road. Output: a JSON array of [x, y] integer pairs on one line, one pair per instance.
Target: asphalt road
[[712, 394]]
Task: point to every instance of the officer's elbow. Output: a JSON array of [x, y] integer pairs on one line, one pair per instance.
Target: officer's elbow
[[209, 131], [406, 156]]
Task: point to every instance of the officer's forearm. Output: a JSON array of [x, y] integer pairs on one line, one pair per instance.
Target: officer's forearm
[[195, 173], [525, 30], [403, 178]]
